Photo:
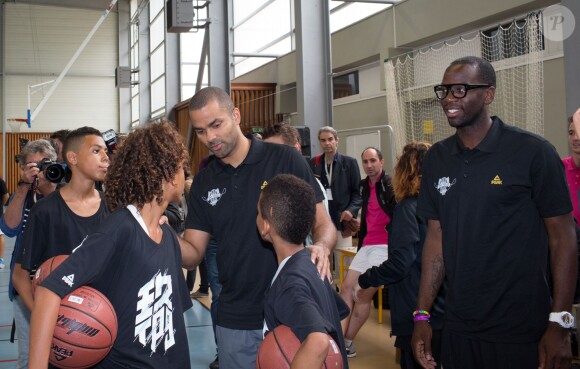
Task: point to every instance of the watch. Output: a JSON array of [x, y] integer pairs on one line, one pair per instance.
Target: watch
[[564, 318]]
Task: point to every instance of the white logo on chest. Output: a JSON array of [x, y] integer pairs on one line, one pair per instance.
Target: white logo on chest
[[213, 196], [444, 185]]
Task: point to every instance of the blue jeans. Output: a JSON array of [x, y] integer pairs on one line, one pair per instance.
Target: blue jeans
[[238, 347], [212, 276], [22, 321]]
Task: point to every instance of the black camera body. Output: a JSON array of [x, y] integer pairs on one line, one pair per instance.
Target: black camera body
[[53, 171], [110, 138]]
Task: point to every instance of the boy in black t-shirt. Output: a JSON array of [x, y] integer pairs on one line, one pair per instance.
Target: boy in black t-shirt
[[60, 221], [298, 297], [132, 259]]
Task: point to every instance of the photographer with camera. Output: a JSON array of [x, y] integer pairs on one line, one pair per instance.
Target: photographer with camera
[[31, 188], [60, 222]]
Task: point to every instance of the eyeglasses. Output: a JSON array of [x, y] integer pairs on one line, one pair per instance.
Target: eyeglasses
[[458, 90]]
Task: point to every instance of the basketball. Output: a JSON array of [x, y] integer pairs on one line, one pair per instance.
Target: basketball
[[46, 268], [280, 345], [86, 328]]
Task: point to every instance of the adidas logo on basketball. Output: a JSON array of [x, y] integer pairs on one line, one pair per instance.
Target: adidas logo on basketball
[[69, 279]]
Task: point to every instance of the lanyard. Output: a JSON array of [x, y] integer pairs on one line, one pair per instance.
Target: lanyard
[[328, 172]]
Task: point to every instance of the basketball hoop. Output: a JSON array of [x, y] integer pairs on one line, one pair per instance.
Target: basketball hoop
[[16, 123]]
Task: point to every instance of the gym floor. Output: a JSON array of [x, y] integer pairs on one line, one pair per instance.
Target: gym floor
[[373, 344]]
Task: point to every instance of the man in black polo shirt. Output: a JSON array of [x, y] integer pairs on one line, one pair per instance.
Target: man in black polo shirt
[[497, 203], [223, 201]]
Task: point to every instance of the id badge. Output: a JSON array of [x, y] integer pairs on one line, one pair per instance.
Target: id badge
[[329, 194]]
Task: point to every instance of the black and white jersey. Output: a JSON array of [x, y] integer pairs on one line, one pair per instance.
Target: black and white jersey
[[144, 282]]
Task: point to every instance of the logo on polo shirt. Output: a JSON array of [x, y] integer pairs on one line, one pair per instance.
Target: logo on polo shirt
[[444, 185], [496, 180], [213, 196], [264, 185]]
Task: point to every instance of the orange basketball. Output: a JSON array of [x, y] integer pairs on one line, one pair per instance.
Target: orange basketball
[[280, 346], [86, 329], [46, 268]]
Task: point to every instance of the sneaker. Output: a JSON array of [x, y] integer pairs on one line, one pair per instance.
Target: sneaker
[[198, 294], [350, 350], [2, 265], [215, 364]]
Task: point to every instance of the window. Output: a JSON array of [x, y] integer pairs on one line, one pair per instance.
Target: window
[[345, 85], [191, 45], [267, 27], [134, 64], [157, 57]]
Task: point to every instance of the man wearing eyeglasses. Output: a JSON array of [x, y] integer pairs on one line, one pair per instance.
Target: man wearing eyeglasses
[[497, 205]]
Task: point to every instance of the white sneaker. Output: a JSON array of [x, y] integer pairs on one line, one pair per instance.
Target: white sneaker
[[2, 265], [350, 350]]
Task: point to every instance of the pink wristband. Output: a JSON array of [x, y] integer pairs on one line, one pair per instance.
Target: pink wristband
[[421, 317]]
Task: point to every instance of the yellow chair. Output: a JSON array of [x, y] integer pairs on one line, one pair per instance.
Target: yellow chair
[[351, 252]]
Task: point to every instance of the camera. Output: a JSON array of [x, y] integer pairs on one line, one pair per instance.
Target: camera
[[110, 138], [53, 171]]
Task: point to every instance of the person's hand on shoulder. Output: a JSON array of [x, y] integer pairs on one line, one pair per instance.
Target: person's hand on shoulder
[[320, 256]]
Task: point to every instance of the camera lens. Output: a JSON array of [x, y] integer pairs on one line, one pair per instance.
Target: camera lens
[[54, 173]]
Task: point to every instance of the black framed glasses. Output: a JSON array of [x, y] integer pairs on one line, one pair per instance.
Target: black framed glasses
[[458, 90]]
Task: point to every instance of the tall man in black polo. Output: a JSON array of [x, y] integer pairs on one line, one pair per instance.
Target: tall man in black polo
[[497, 205], [223, 200]]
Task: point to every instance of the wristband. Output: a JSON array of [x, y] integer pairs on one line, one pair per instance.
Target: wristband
[[21, 182], [421, 312], [421, 318]]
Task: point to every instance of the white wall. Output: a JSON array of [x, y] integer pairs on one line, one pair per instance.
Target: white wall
[[40, 41]]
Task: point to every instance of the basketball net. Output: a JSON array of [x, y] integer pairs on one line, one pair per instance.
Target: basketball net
[[515, 51], [15, 124]]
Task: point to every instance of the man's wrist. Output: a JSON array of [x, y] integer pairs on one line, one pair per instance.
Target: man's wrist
[[22, 182], [562, 318]]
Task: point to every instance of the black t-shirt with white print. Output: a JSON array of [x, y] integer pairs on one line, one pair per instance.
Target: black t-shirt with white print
[[144, 282]]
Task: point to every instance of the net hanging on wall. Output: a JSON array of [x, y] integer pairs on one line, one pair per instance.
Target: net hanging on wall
[[516, 53]]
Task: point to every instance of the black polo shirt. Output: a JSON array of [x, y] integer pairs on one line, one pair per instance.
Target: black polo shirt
[[223, 203], [491, 202]]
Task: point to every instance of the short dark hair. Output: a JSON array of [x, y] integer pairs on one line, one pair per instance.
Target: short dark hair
[[289, 134], [288, 203], [60, 135], [75, 138], [484, 68], [379, 153], [570, 120], [209, 94]]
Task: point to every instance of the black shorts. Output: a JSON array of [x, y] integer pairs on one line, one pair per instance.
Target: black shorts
[[459, 352]]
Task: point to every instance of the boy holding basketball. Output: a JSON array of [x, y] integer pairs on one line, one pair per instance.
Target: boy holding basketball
[[132, 259], [60, 221], [298, 297]]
